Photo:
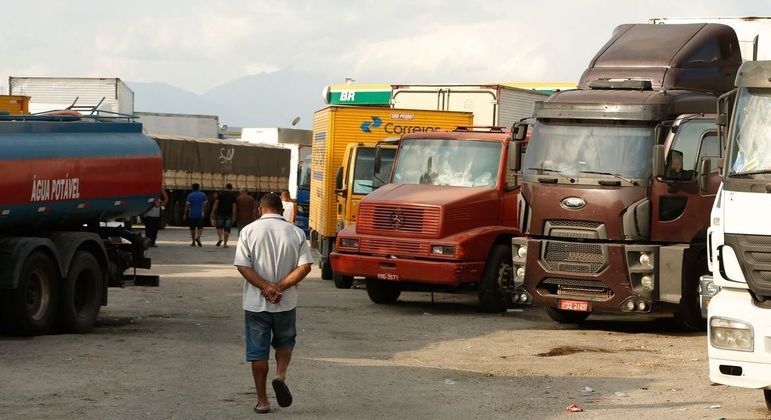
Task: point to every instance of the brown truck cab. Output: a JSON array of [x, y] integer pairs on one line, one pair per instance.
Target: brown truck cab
[[445, 219], [615, 195]]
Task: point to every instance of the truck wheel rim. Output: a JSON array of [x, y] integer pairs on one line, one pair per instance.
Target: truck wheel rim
[[505, 273], [38, 295]]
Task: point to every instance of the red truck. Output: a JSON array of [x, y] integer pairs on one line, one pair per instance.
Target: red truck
[[616, 188], [446, 218]]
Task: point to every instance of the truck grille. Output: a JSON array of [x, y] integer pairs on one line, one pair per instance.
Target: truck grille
[[754, 254], [575, 223], [576, 287], [423, 220], [574, 257], [389, 247], [578, 229]]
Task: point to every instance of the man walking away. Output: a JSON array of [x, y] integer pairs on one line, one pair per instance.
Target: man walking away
[[152, 218], [246, 209], [289, 207], [195, 209], [273, 256], [225, 212]]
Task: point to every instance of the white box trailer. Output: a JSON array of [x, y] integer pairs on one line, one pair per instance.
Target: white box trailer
[[296, 140], [492, 105], [53, 93], [754, 32], [190, 125]]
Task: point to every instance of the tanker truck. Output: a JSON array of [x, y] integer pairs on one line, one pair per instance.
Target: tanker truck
[[63, 177]]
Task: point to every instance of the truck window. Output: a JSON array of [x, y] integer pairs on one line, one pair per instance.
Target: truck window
[[305, 173], [363, 180], [459, 163], [751, 132], [684, 151]]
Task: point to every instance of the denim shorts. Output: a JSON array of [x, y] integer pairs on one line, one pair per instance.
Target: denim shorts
[[224, 222], [266, 328]]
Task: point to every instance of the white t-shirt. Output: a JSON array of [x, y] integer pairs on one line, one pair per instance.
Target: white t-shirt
[[288, 210], [273, 248]]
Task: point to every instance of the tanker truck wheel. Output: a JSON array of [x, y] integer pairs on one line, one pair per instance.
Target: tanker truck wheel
[[342, 282], [383, 292], [81, 294], [30, 309], [497, 279], [566, 317]]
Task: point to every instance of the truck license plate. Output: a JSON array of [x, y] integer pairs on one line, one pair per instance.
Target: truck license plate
[[574, 305], [388, 276]]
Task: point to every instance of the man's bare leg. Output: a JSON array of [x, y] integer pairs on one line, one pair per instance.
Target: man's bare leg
[[225, 235], [283, 356], [260, 374]]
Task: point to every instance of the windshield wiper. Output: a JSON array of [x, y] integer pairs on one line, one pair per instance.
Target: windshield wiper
[[552, 171], [631, 181], [762, 171]]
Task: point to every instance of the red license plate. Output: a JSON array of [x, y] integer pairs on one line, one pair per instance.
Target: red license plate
[[574, 305], [388, 276]]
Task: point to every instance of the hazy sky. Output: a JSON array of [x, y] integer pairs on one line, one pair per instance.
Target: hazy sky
[[197, 45]]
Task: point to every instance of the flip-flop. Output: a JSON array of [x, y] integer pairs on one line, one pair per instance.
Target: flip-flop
[[262, 410], [283, 396]]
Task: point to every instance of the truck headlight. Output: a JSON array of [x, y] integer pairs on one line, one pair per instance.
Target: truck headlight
[[349, 243], [646, 282], [522, 251], [446, 250], [521, 273], [645, 259], [300, 210], [728, 334]]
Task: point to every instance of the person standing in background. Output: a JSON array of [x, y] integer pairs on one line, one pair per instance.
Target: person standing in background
[[246, 209], [290, 207], [195, 209], [223, 213], [152, 218]]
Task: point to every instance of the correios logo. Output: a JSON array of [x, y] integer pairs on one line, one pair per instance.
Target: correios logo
[[395, 128]]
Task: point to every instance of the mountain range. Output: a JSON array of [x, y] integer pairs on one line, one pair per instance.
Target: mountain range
[[261, 100]]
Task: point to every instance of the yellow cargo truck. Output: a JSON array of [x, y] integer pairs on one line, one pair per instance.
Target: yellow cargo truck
[[345, 137], [14, 104]]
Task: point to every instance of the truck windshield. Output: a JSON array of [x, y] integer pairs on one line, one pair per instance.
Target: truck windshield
[[363, 180], [578, 150], [751, 153], [460, 163], [305, 173]]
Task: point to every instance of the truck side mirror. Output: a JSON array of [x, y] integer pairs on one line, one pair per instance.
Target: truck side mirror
[[659, 163], [515, 156], [705, 172], [519, 131], [378, 159], [339, 181]]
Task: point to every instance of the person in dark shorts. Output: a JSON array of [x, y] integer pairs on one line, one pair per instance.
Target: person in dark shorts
[[195, 209], [223, 213], [152, 218], [273, 256]]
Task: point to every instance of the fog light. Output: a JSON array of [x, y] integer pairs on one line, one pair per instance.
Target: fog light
[[712, 288], [642, 306], [523, 298], [646, 282], [728, 334], [645, 259], [630, 306], [522, 251], [521, 273], [349, 243], [443, 250]]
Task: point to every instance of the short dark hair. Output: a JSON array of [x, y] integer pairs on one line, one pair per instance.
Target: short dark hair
[[272, 201], [228, 186], [196, 187]]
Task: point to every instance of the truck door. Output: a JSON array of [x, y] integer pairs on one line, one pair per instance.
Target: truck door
[[362, 178], [680, 211]]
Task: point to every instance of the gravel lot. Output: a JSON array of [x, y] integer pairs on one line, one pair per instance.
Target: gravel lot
[[177, 352]]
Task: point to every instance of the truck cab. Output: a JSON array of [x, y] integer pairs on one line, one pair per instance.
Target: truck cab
[[444, 220], [739, 336], [616, 192]]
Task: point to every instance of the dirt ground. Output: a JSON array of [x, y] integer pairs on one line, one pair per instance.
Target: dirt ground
[[177, 352]]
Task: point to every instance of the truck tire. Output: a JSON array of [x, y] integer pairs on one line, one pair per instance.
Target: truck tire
[[326, 271], [496, 279], [81, 294], [689, 316], [566, 317], [342, 282], [767, 397], [383, 292], [30, 309]]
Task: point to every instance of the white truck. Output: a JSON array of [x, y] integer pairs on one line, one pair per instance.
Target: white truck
[[109, 95], [492, 105], [739, 238], [296, 140], [751, 31], [190, 125]]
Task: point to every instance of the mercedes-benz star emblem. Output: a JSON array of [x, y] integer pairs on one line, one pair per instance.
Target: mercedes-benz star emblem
[[397, 219]]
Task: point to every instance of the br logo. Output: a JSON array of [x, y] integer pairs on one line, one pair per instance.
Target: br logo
[[375, 123]]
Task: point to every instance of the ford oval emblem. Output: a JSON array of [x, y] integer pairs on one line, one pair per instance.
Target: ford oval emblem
[[573, 203]]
